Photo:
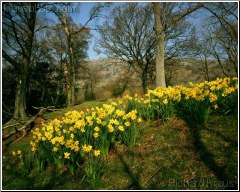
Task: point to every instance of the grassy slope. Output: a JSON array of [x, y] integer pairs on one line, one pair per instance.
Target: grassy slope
[[172, 156]]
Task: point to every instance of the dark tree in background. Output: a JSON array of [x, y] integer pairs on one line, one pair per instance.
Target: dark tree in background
[[27, 47], [9, 82], [44, 53], [18, 34]]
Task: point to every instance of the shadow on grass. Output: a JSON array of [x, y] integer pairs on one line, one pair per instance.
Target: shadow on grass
[[16, 179], [135, 178], [223, 137], [208, 158], [23, 182]]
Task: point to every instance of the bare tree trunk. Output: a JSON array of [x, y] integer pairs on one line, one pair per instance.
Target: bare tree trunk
[[20, 97], [68, 87], [220, 62], [144, 81], [160, 70], [206, 67], [70, 67], [73, 75], [160, 35], [233, 58]]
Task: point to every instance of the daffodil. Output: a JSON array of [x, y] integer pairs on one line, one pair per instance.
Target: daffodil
[[96, 153], [67, 155], [139, 120], [121, 128], [127, 124], [19, 152], [110, 128], [95, 135], [55, 149], [96, 129], [87, 148]]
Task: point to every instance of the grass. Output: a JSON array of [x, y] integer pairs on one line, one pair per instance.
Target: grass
[[178, 155], [82, 107]]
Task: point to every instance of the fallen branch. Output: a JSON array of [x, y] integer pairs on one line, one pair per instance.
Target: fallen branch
[[7, 126], [50, 108], [55, 109], [27, 124]]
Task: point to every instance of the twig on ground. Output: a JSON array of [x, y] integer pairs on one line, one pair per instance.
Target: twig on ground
[[149, 178]]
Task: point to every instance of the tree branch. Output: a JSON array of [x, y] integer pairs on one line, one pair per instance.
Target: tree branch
[[184, 14], [93, 15], [16, 35], [10, 60]]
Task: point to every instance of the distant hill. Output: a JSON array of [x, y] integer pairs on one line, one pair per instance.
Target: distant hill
[[195, 71], [103, 75]]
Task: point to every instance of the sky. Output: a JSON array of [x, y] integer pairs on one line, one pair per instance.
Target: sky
[[83, 15], [80, 12], [82, 18]]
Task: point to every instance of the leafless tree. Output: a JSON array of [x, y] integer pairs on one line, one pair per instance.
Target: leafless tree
[[128, 35]]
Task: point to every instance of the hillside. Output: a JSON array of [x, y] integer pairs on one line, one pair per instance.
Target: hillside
[[176, 155]]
